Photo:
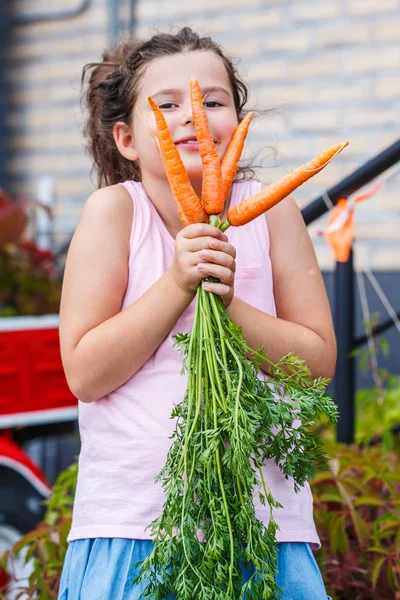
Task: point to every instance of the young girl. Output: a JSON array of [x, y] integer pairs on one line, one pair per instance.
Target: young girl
[[129, 286]]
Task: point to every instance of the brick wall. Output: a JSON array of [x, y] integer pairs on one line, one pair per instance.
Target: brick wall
[[329, 71], [44, 63]]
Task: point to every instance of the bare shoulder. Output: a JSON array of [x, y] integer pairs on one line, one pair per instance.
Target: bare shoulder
[[112, 204], [96, 271], [285, 209], [105, 223], [287, 228], [291, 245]]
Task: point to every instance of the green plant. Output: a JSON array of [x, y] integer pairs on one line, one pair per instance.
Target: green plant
[[28, 281], [357, 513], [377, 413], [229, 423], [377, 409], [47, 544]]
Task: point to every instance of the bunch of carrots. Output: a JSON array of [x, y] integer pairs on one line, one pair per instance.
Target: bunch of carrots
[[230, 421]]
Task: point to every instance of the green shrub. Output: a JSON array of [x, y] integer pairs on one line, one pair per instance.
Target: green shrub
[[357, 514], [378, 407], [47, 544], [377, 413]]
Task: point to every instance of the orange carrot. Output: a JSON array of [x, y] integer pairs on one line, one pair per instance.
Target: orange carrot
[[232, 155], [187, 202], [256, 205], [211, 194]]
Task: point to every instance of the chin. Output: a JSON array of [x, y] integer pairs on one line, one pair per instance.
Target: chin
[[194, 167]]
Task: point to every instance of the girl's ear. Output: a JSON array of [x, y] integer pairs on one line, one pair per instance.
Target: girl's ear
[[123, 138]]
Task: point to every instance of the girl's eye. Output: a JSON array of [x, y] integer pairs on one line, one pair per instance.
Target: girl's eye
[[212, 104], [167, 105]]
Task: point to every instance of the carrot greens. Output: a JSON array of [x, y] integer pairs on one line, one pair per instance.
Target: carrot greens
[[230, 422]]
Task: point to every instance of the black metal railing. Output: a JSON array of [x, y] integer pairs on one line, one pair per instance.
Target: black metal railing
[[344, 293]]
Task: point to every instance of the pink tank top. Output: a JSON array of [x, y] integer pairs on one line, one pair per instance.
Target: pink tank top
[[126, 435]]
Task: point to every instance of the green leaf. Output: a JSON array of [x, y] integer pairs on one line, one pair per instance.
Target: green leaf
[[397, 542], [361, 528], [340, 542], [389, 524], [384, 346], [331, 497], [378, 550], [376, 570], [321, 477], [391, 577], [354, 483], [369, 501]]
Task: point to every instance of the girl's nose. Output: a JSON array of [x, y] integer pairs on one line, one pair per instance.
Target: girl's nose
[[187, 116]]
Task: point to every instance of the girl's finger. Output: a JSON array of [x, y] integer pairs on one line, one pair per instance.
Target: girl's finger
[[215, 244], [205, 243], [201, 230], [219, 258], [224, 274], [217, 288]]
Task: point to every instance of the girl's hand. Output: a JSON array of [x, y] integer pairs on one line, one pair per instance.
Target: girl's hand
[[201, 251]]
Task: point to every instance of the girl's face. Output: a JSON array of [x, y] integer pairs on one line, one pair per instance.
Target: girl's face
[[167, 81]]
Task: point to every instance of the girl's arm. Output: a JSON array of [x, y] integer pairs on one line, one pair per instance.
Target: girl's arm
[[303, 324], [101, 347]]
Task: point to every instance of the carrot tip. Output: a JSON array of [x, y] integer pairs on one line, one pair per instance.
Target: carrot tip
[[252, 207]]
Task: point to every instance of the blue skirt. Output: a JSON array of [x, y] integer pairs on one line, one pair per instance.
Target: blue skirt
[[104, 568]]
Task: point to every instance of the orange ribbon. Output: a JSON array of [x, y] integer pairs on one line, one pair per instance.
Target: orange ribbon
[[340, 230], [341, 240]]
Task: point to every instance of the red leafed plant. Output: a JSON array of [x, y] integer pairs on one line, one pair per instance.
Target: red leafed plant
[[28, 281], [357, 513]]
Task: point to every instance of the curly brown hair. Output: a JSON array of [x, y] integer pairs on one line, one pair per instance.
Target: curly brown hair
[[112, 92]]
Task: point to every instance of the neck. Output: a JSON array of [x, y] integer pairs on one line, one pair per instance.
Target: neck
[[163, 200]]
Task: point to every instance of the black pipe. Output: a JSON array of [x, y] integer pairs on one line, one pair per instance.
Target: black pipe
[[49, 16], [363, 339], [353, 182], [344, 382], [113, 20], [132, 16]]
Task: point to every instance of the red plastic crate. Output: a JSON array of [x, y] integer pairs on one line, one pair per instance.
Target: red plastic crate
[[33, 388]]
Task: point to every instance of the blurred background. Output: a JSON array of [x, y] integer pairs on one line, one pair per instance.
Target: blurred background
[[318, 72]]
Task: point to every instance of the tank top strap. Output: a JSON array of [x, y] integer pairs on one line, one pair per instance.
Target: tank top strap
[[145, 215], [140, 210], [258, 227], [244, 189]]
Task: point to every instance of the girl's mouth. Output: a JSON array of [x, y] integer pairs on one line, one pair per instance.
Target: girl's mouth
[[190, 145]]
